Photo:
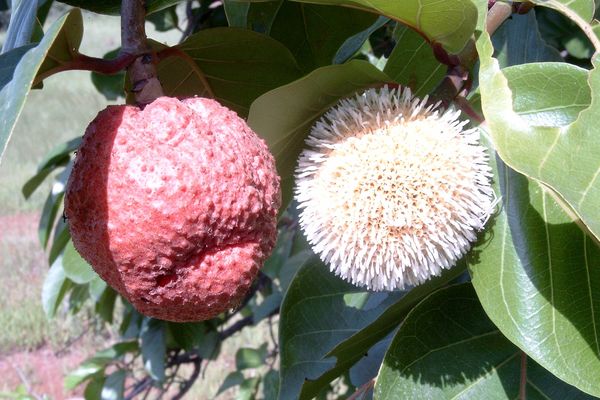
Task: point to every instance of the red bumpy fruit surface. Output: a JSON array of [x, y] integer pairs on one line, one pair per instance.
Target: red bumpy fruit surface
[[174, 206]]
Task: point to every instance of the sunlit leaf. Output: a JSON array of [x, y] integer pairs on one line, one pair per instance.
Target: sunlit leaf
[[250, 358], [583, 8], [447, 348], [450, 23], [114, 386], [237, 13], [113, 7], [234, 379], [565, 157], [55, 287], [20, 27], [314, 319], [284, 116], [233, 65], [314, 33], [75, 267], [413, 64], [154, 348], [9, 61], [14, 93], [518, 41]]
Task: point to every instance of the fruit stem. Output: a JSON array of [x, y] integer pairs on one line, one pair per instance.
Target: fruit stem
[[457, 81], [142, 71]]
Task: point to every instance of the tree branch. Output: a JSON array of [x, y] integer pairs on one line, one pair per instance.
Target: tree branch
[[457, 79], [523, 383], [190, 381], [142, 71]]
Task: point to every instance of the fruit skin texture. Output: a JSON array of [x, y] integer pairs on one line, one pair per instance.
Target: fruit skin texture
[[174, 206]]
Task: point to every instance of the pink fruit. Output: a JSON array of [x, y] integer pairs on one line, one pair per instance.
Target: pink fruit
[[174, 206]]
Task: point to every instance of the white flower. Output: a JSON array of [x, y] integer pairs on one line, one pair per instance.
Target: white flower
[[391, 190]]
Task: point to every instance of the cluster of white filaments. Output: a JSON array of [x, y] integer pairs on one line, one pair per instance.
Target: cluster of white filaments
[[392, 190]]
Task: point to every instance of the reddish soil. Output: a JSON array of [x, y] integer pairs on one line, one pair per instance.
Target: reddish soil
[[41, 371], [19, 227]]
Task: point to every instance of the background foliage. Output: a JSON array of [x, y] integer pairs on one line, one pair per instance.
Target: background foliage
[[518, 317]]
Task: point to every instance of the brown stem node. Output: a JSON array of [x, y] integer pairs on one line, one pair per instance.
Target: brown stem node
[[142, 71]]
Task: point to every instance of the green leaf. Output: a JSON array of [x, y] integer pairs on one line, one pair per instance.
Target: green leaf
[[353, 44], [48, 217], [314, 319], [450, 23], [235, 66], [284, 116], [114, 385], [518, 41], [347, 352], [57, 157], [448, 348], [270, 385], [209, 346], [248, 389], [82, 373], [537, 282], [77, 297], [234, 379], [9, 61], [413, 64], [106, 304], [97, 288], [115, 351], [267, 307], [75, 267], [583, 8], [113, 7], [250, 358], [236, 12], [281, 253], [368, 366], [165, 19], [261, 15], [93, 390], [66, 46], [14, 93], [314, 33], [55, 287], [188, 334], [565, 157], [60, 239], [562, 33], [52, 205], [154, 348], [20, 27]]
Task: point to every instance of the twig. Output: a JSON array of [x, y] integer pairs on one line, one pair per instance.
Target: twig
[[523, 383], [457, 79], [139, 388], [87, 63], [191, 21], [465, 107], [142, 71], [71, 341], [241, 324], [496, 16], [26, 383], [190, 381]]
